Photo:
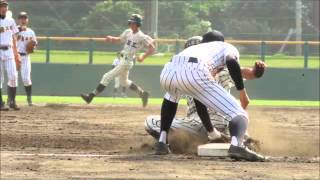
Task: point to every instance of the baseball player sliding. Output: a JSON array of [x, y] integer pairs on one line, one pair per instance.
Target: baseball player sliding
[[8, 56], [134, 40], [192, 122], [26, 42], [191, 72]]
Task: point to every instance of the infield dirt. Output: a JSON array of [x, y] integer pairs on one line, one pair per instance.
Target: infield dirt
[[57, 141]]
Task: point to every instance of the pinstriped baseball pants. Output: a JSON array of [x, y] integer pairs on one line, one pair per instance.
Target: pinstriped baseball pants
[[9, 66], [181, 77], [25, 70]]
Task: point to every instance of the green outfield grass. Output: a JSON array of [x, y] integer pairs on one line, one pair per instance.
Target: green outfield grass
[[81, 57], [154, 101]]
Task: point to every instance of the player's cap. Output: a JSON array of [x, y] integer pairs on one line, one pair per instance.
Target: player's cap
[[193, 41], [212, 36], [22, 15], [3, 2], [135, 18]]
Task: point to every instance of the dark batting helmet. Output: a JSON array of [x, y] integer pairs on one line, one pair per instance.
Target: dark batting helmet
[[193, 41], [212, 36], [135, 18]]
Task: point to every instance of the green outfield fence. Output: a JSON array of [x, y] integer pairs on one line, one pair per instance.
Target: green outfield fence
[[177, 44]]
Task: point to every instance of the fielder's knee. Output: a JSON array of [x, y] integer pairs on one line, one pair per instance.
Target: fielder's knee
[[12, 83], [27, 82]]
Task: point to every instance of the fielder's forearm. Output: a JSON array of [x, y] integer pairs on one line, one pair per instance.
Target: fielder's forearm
[[149, 52], [248, 73], [14, 47], [235, 72]]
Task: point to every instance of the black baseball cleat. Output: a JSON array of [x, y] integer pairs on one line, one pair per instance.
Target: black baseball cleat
[[162, 148], [14, 106], [3, 107], [243, 153], [87, 97], [144, 97]]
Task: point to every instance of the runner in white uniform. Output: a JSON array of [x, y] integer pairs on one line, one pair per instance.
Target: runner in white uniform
[[134, 40], [8, 55], [191, 73], [25, 35]]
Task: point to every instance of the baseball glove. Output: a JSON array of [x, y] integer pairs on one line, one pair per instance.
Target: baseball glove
[[30, 47], [259, 68]]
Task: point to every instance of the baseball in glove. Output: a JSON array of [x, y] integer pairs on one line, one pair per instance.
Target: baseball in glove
[[30, 47], [259, 68]]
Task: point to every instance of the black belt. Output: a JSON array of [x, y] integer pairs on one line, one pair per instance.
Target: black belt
[[22, 54], [191, 60], [4, 47]]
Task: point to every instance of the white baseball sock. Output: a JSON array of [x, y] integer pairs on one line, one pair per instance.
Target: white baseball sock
[[163, 137]]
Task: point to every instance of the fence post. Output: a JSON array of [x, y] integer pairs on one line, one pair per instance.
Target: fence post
[[263, 50], [306, 54], [91, 48], [48, 50], [177, 46]]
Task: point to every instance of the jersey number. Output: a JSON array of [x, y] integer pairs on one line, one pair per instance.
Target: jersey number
[[132, 44]]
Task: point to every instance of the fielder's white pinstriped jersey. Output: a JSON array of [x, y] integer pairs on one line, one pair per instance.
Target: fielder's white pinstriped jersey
[[212, 54], [134, 42], [23, 38], [8, 28], [190, 73]]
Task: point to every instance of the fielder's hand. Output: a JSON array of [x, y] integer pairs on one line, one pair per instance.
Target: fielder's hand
[[141, 58], [244, 99]]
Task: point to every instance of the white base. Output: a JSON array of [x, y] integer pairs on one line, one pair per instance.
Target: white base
[[214, 149]]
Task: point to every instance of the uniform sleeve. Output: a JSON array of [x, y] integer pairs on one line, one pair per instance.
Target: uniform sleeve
[[146, 41], [123, 36], [231, 51], [34, 37], [14, 27]]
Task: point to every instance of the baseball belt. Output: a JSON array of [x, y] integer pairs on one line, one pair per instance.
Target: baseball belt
[[22, 54]]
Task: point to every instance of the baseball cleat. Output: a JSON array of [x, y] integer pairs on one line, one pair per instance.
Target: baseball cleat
[[162, 148], [87, 97], [243, 153], [2, 107], [144, 96], [14, 106]]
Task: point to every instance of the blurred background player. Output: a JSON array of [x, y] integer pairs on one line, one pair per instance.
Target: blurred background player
[[9, 56], [25, 37], [134, 40], [118, 90]]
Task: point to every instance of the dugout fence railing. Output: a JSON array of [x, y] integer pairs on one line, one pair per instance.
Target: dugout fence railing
[[177, 44]]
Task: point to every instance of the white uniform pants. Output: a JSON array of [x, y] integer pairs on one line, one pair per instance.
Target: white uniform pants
[[9, 66], [121, 71], [181, 77], [25, 70]]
